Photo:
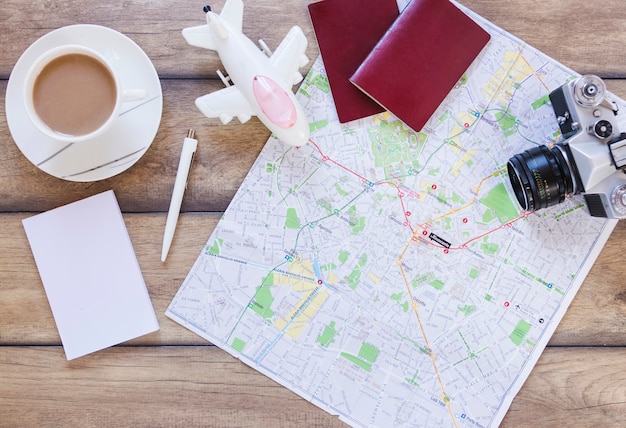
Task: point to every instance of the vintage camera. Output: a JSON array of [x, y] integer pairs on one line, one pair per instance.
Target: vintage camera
[[589, 160]]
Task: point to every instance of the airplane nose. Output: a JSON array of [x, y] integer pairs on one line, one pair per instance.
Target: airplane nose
[[206, 9]]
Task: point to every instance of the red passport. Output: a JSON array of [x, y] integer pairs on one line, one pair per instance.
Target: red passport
[[419, 60], [346, 31]]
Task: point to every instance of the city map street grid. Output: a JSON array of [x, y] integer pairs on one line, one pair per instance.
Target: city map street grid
[[389, 276]]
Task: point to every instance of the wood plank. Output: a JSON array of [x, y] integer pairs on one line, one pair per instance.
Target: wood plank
[[21, 287], [169, 386], [129, 387], [559, 28], [573, 387], [596, 317], [225, 155], [154, 25]]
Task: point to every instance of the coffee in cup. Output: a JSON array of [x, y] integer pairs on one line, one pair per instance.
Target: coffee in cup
[[72, 94]]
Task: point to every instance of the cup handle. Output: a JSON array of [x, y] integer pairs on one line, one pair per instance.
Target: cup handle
[[134, 95]]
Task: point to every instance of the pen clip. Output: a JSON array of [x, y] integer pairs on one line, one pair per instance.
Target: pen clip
[[193, 155]]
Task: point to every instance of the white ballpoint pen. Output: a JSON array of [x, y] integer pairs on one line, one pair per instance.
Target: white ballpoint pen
[[186, 158]]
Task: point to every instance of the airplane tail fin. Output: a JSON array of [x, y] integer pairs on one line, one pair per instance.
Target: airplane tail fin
[[200, 36], [232, 12]]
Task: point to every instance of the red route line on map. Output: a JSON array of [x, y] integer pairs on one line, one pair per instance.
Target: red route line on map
[[464, 245], [364, 180], [423, 225], [401, 197], [334, 162], [415, 237]]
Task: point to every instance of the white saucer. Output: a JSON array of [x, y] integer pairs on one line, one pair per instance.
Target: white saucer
[[122, 145]]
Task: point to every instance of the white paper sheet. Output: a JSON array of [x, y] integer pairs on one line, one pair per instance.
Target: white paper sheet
[[90, 274]]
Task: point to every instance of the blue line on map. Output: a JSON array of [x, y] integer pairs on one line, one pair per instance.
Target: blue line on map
[[306, 303], [282, 332], [316, 268]]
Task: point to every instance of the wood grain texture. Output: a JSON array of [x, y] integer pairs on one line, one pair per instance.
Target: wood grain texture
[[173, 377], [224, 156], [203, 386], [596, 317], [155, 25], [126, 387]]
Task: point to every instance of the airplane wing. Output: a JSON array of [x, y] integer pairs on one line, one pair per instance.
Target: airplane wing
[[225, 104], [290, 56]]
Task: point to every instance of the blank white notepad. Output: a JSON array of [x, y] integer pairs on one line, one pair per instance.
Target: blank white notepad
[[90, 274]]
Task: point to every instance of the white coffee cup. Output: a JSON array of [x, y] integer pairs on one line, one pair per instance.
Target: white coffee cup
[[73, 94]]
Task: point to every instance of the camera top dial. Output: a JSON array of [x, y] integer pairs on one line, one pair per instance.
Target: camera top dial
[[589, 90]]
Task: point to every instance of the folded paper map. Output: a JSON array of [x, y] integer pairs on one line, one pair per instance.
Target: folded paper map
[[389, 276]]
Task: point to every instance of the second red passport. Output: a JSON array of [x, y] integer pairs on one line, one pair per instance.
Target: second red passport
[[420, 59]]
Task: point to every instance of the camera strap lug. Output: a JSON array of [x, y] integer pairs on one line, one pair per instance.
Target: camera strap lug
[[610, 105]]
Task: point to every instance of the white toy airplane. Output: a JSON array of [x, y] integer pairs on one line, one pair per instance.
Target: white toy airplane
[[261, 80]]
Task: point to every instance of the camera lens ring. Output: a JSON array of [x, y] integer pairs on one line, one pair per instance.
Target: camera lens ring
[[541, 177], [518, 175]]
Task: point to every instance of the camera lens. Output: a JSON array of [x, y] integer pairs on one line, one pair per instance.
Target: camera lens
[[541, 177]]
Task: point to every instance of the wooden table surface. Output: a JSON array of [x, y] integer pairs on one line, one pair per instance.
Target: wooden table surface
[[175, 378]]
